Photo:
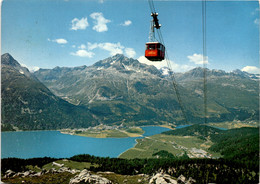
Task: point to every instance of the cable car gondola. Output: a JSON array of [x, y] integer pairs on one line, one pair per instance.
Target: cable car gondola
[[154, 51]]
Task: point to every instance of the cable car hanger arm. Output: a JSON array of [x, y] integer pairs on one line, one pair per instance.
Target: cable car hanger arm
[[155, 20]]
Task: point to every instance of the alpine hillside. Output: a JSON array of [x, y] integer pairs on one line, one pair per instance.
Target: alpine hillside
[[236, 91], [28, 104]]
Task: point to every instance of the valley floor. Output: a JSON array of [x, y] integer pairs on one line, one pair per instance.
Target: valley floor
[[191, 146]]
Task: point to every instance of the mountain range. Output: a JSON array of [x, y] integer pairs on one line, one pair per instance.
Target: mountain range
[[121, 90]]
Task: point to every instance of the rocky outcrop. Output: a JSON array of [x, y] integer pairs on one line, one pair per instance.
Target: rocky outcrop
[[57, 164], [182, 180], [30, 173], [9, 173], [86, 177], [161, 178]]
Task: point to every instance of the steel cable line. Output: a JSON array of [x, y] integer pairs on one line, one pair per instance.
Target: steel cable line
[[176, 89], [151, 6], [204, 52], [205, 58], [170, 67]]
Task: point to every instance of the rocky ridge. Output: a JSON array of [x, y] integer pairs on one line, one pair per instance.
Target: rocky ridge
[[85, 176]]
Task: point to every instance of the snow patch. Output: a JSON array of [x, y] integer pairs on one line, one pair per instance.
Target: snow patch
[[100, 68], [113, 62], [165, 71], [22, 72]]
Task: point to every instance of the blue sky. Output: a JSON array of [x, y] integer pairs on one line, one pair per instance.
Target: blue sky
[[50, 33]]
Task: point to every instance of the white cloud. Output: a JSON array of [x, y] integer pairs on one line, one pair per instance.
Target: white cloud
[[79, 24], [256, 21], [251, 69], [101, 1], [59, 41], [34, 68], [130, 52], [82, 46], [99, 21], [198, 59], [113, 48], [92, 46], [180, 68], [159, 64], [256, 11], [127, 23], [31, 68], [83, 53]]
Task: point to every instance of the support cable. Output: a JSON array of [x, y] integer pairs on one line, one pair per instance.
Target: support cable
[[176, 89], [151, 6], [170, 67], [205, 60], [204, 52]]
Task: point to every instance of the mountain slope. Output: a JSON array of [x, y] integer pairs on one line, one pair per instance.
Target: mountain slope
[[235, 91], [119, 89], [240, 144], [195, 130], [28, 104]]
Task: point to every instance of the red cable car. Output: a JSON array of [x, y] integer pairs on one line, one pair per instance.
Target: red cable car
[[154, 51]]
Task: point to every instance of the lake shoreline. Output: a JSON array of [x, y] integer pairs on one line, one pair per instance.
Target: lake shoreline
[[106, 134]]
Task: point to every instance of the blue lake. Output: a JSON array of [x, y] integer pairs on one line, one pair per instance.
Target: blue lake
[[31, 144]]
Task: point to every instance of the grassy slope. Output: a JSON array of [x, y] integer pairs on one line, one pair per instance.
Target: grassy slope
[[239, 144], [233, 124], [177, 145], [70, 164]]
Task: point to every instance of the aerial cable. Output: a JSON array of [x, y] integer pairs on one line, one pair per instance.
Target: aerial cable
[[205, 58], [169, 66], [151, 6], [175, 86]]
